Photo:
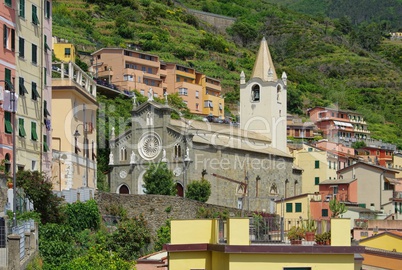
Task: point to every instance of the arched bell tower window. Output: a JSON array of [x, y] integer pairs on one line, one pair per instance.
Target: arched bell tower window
[[123, 153], [255, 93], [177, 151], [278, 92]]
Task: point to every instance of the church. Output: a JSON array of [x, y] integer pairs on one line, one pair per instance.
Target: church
[[248, 165]]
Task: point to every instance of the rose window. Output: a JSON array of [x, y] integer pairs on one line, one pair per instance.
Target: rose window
[[150, 146]]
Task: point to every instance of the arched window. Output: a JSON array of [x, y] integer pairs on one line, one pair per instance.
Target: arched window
[[177, 150], [295, 188], [255, 93], [123, 154], [286, 188], [278, 92]]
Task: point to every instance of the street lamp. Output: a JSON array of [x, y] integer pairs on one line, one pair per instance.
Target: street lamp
[[13, 109], [86, 150]]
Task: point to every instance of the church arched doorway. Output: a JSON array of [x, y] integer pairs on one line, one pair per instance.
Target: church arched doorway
[[124, 190], [180, 190]]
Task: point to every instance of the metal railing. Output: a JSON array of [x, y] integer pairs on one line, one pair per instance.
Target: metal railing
[[272, 230]]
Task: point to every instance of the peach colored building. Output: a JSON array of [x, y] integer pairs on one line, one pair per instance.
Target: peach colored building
[[337, 124], [376, 185], [74, 134], [383, 251], [130, 70]]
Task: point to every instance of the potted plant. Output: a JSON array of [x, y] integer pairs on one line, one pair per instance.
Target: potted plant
[[309, 227], [323, 238], [296, 235]]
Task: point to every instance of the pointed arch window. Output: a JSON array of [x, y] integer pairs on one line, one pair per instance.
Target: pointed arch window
[[278, 92], [123, 154], [255, 93], [177, 150]]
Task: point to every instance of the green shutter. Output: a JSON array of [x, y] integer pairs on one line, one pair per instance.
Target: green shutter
[[7, 78], [35, 19], [45, 76], [47, 10], [45, 111], [35, 94], [317, 180], [34, 54], [46, 46], [363, 205], [34, 135], [22, 87], [45, 146], [9, 2], [324, 212], [298, 207], [22, 8], [21, 128], [7, 123], [317, 164], [289, 207], [21, 47]]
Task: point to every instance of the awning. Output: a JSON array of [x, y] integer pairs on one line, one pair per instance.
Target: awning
[[392, 181], [343, 124]]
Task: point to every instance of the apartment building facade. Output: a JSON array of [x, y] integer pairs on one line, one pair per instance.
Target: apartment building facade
[[7, 73], [26, 63], [74, 136], [338, 125], [134, 70]]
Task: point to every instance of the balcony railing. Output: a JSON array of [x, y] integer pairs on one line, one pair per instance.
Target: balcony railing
[[272, 230]]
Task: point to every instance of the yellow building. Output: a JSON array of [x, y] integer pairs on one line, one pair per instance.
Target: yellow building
[[63, 50], [296, 207], [383, 251], [195, 245], [317, 165], [74, 133]]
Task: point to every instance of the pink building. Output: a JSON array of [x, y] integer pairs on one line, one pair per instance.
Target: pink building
[[337, 124], [7, 72]]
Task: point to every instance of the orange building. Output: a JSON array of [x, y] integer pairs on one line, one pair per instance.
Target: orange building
[[130, 70], [383, 251]]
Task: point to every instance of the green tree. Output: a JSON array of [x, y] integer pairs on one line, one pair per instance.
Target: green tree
[[337, 208], [131, 238], [199, 190], [158, 179], [83, 215], [163, 236], [39, 190], [98, 258]]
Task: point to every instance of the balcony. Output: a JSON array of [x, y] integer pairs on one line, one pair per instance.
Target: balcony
[[144, 62], [213, 87], [273, 230]]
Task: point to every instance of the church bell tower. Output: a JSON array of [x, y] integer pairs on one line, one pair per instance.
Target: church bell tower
[[263, 100]]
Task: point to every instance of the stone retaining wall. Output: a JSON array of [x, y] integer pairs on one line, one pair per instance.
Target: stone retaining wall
[[153, 207]]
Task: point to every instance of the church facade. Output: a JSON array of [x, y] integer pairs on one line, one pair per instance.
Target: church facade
[[248, 166]]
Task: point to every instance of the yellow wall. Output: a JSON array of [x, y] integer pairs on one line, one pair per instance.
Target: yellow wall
[[279, 261], [238, 233], [340, 232], [385, 241], [192, 231], [190, 260], [305, 213], [220, 261], [58, 49]]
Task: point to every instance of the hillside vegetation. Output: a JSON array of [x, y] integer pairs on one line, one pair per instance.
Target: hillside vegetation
[[328, 62]]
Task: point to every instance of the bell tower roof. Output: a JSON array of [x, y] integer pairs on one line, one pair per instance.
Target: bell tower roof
[[263, 66]]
